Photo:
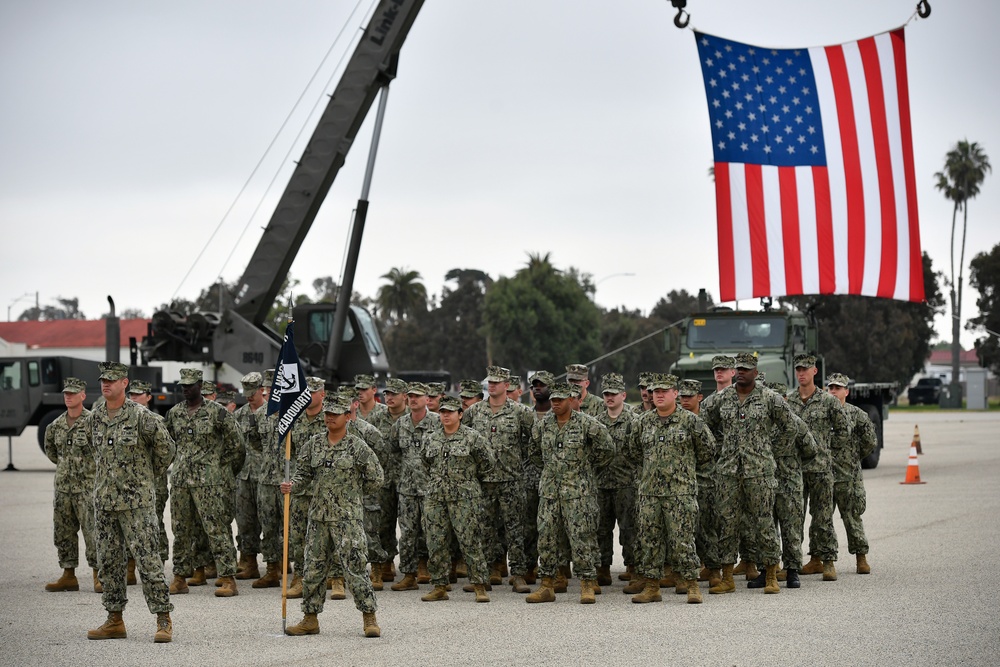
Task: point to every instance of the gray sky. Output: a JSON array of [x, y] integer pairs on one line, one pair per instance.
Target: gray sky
[[580, 129]]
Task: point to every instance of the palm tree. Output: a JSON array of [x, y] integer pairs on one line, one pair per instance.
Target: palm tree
[[403, 295], [965, 168]]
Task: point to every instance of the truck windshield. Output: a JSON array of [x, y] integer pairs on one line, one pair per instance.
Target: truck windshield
[[728, 333]]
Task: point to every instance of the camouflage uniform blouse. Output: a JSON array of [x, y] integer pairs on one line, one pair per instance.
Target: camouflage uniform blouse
[[862, 442], [506, 433], [207, 441], [406, 443], [570, 455], [456, 463], [674, 450], [341, 474], [747, 430], [827, 422], [623, 471], [246, 420], [69, 448]]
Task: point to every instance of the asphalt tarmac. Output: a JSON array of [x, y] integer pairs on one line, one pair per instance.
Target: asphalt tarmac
[[932, 597]]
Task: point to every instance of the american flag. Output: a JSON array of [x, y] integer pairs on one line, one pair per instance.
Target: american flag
[[814, 180]]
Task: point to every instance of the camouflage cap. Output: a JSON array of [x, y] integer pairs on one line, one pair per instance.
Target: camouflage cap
[[838, 380], [561, 390], [662, 381], [689, 387], [644, 379], [577, 372], [805, 360], [139, 387], [612, 383], [208, 388], [225, 397], [542, 377], [779, 387], [364, 381], [417, 389], [746, 360], [497, 374], [191, 376], [574, 390], [515, 382], [251, 382], [470, 388], [268, 377], [435, 388], [73, 386], [393, 386], [723, 361], [314, 383], [349, 391], [337, 404], [112, 370], [450, 403]]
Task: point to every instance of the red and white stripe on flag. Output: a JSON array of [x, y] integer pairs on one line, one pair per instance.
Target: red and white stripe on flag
[[849, 226]]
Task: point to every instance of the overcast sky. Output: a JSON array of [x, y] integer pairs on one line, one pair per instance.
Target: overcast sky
[[515, 127]]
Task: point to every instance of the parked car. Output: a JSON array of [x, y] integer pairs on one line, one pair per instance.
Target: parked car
[[926, 391]]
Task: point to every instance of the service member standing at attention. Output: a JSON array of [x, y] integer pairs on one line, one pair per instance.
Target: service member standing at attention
[[569, 447], [382, 416], [435, 392], [247, 523], [848, 482], [207, 440], [342, 470], [67, 444], [541, 383], [470, 392], [457, 459], [140, 392], [828, 425], [578, 374], [506, 429], [131, 447], [270, 505]]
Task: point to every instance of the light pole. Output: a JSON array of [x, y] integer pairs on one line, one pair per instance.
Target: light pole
[[26, 295]]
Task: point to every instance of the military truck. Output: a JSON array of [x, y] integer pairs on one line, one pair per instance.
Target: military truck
[[777, 336]]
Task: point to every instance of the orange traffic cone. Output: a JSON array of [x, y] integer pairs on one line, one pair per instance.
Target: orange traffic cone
[[916, 439], [913, 468]]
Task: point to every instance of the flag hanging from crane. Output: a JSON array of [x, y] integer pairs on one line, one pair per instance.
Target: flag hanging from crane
[[289, 394], [814, 178]]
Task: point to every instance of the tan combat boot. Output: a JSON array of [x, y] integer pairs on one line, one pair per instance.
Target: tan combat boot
[[863, 566], [407, 583], [98, 588], [814, 566], [782, 574], [130, 572], [371, 625], [294, 591], [495, 577], [531, 576], [67, 582], [481, 595], [704, 573], [423, 576], [561, 582], [438, 594], [681, 587], [518, 585], [752, 571], [545, 593], [211, 572], [113, 628], [638, 585], [741, 568], [248, 567], [714, 577], [726, 585], [461, 568], [271, 578], [650, 591], [604, 576], [376, 577], [587, 593], [669, 578], [198, 579], [771, 579], [179, 585], [337, 591], [309, 625], [627, 574], [829, 571], [227, 589], [694, 593], [164, 629], [471, 588], [389, 571]]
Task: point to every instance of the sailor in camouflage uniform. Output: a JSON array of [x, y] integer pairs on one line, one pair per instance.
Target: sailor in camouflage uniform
[[67, 445], [435, 392], [140, 392], [578, 375], [457, 459], [470, 392], [848, 482], [207, 440], [570, 447], [541, 383], [131, 447], [247, 523], [342, 469], [831, 430]]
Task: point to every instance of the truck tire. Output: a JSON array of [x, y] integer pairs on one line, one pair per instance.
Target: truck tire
[[43, 424], [871, 461]]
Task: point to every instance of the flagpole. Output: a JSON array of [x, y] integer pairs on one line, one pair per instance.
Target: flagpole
[[284, 556]]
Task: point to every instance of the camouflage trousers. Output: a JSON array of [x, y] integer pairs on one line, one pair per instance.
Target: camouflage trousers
[[328, 542], [118, 534], [503, 508], [616, 506], [73, 513], [817, 497], [531, 523], [271, 516], [375, 552], [852, 501], [247, 523], [665, 529], [202, 508], [568, 526], [463, 519], [706, 538], [412, 543], [162, 495], [298, 521], [389, 513], [749, 499], [789, 518]]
